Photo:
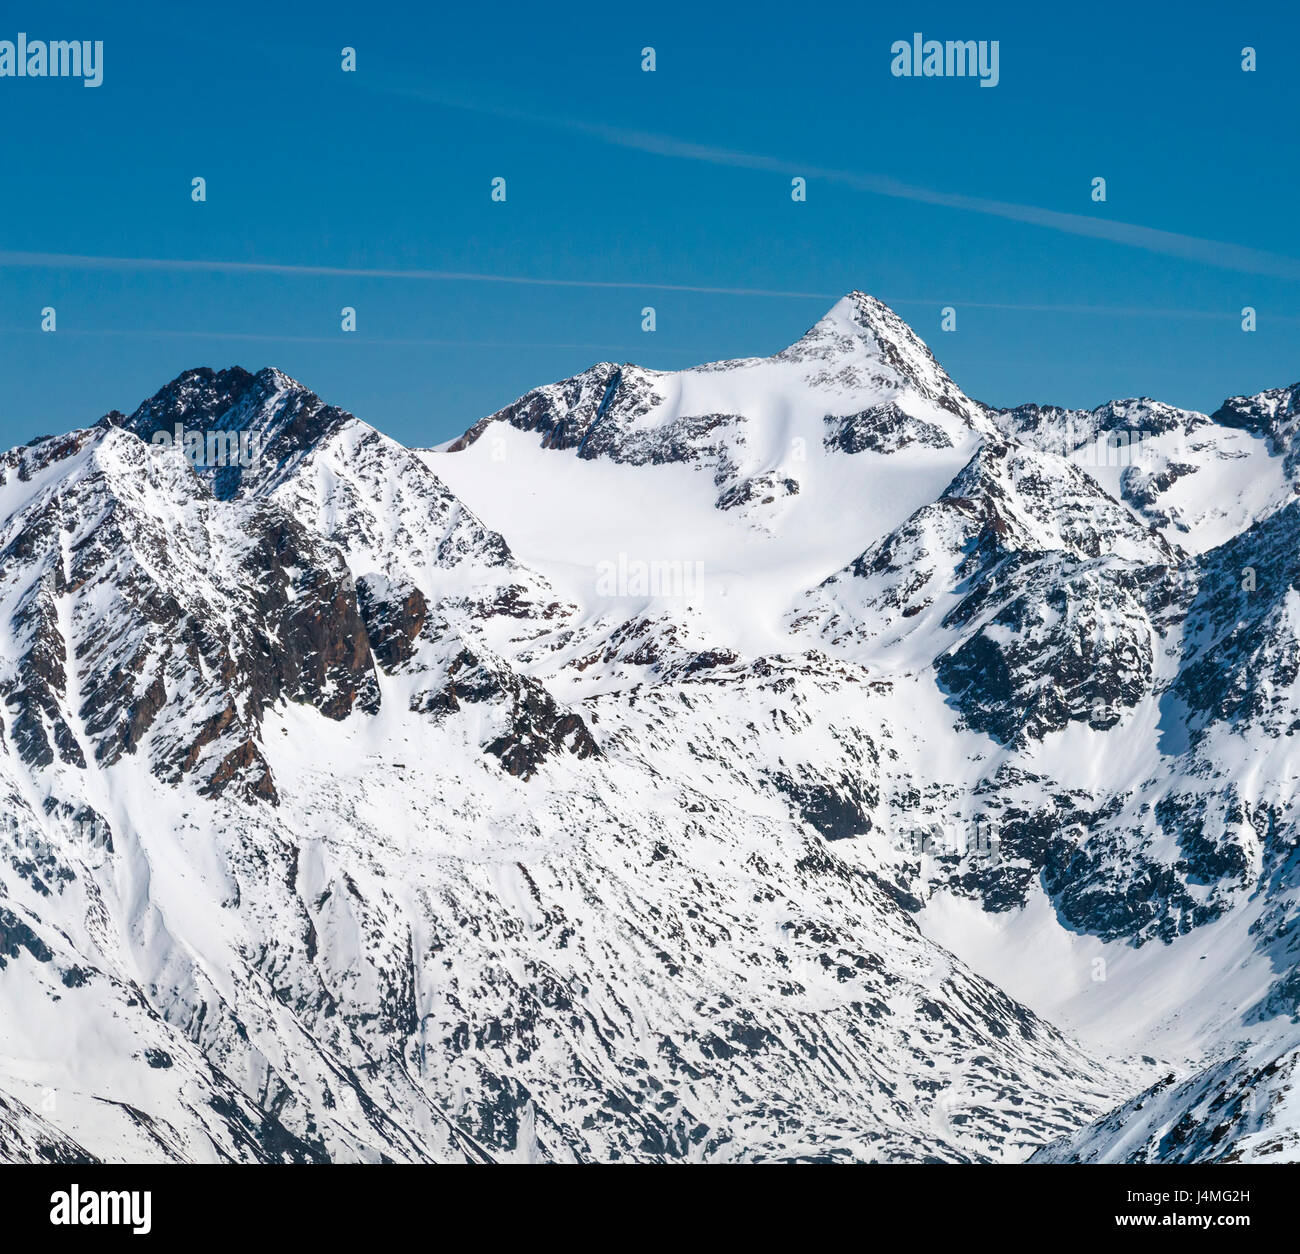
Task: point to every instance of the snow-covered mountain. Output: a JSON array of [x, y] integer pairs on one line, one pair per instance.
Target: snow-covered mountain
[[787, 758]]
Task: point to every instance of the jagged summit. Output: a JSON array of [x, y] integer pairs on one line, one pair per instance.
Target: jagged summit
[[205, 393], [862, 316], [861, 331], [1273, 414], [278, 418]]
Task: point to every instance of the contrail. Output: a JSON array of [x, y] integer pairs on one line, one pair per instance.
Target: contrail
[[72, 261], [57, 261], [265, 338], [1208, 252]]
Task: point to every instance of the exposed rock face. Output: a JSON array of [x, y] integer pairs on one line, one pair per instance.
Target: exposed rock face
[[567, 414], [156, 619], [1273, 414], [534, 727], [1233, 1111], [346, 814], [760, 490], [395, 616], [1074, 644], [28, 1138], [881, 429]]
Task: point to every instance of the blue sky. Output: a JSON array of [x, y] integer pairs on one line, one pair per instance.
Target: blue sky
[[925, 192]]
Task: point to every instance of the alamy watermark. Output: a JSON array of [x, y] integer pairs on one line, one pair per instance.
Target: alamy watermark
[[95, 1207], [55, 58], [952, 58], [633, 577], [89, 839], [946, 840], [1119, 448], [213, 448]]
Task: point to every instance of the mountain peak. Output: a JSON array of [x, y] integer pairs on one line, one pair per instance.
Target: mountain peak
[[866, 307], [283, 417], [202, 394], [866, 318], [860, 335]]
